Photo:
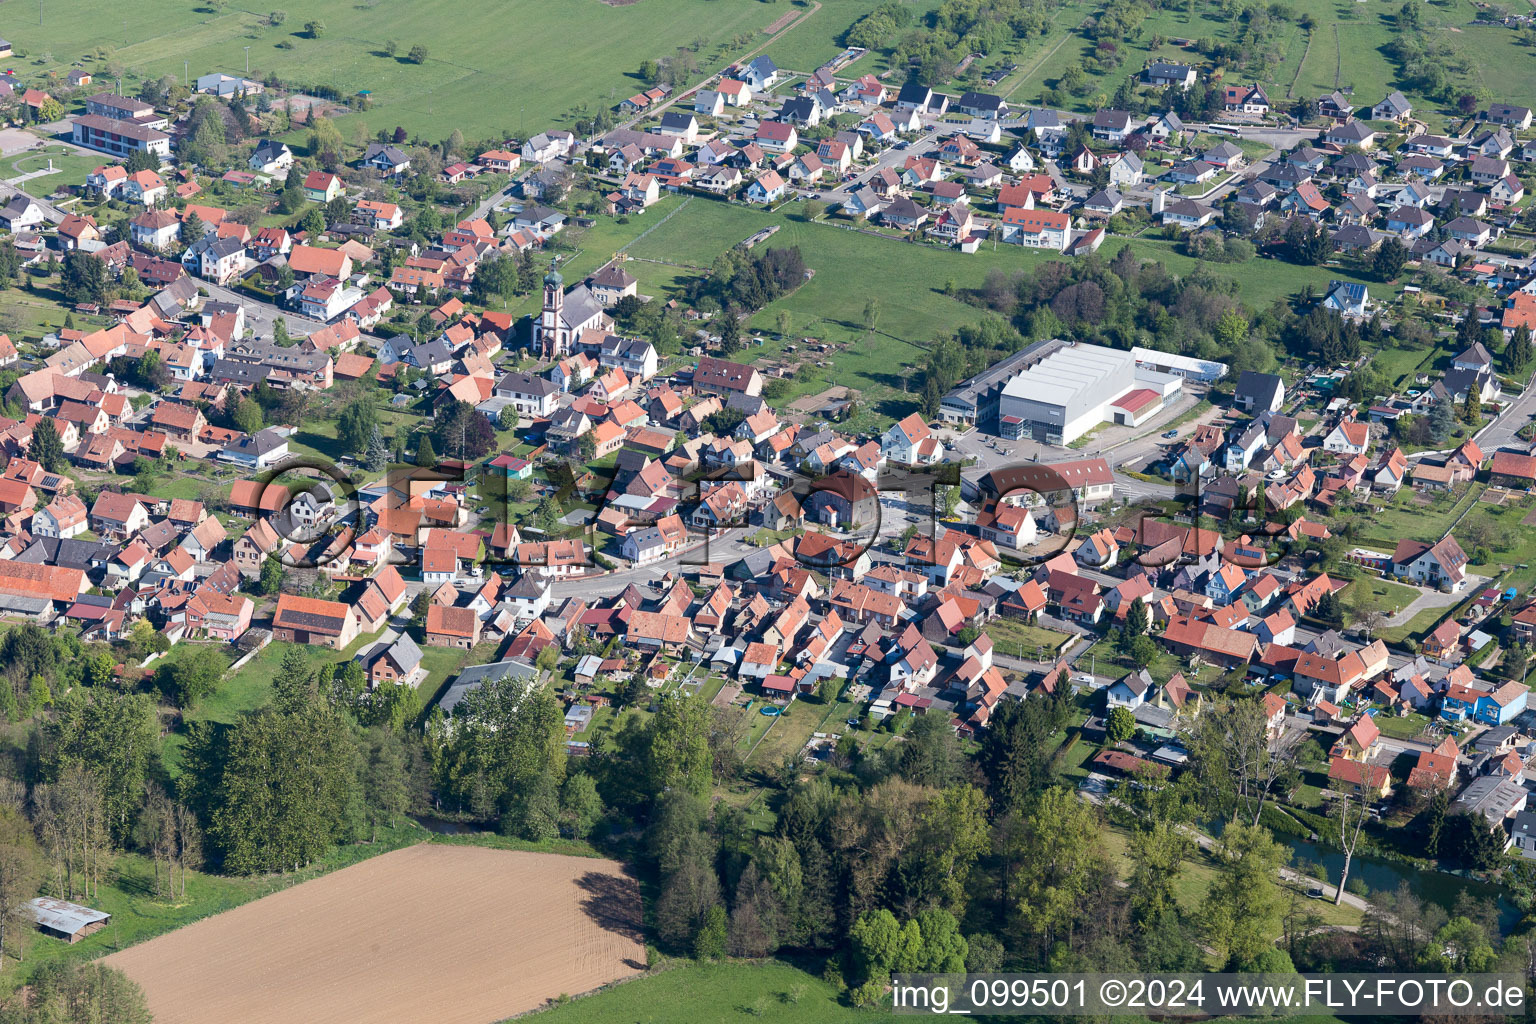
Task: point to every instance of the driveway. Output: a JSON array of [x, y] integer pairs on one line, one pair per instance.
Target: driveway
[[1435, 599]]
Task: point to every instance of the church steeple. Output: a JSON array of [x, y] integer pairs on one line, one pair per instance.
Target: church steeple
[[549, 320]]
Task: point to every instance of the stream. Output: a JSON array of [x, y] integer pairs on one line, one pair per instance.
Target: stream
[[1437, 887]]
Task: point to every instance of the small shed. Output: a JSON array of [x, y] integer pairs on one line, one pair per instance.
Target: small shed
[[64, 920]]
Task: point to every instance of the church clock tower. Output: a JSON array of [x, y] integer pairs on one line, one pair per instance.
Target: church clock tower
[[549, 320]]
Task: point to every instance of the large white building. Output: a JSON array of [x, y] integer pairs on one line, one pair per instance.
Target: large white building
[[1076, 388]]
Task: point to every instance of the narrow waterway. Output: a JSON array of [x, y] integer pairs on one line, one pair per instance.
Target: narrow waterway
[[444, 827], [1435, 886]]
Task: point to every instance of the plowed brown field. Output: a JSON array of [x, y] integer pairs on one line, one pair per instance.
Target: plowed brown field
[[448, 934]]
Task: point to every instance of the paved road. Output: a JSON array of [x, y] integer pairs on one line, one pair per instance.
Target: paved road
[[259, 316], [725, 549], [1504, 428]]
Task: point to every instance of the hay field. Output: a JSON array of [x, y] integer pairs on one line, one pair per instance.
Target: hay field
[[450, 934]]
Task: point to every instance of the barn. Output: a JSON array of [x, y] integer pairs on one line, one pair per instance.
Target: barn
[[68, 921]]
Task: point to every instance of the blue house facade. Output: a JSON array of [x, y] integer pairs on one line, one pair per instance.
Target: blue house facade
[[1501, 705]]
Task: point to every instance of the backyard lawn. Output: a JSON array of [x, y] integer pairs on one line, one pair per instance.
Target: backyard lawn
[[1405, 727], [1022, 639], [1384, 596]]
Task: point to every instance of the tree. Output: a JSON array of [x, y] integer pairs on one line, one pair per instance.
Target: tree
[[77, 992], [190, 679], [357, 425], [931, 756], [293, 686], [460, 431], [46, 449], [1231, 329], [417, 54], [952, 833], [21, 870], [1472, 406], [1347, 811], [1517, 352], [677, 747], [285, 788], [581, 808], [425, 455], [1143, 651], [1120, 725], [111, 736], [1309, 243], [944, 949], [497, 278], [871, 313], [757, 915], [1137, 618], [879, 946], [1468, 329], [140, 160], [1241, 916], [314, 223], [314, 29], [84, 278], [1236, 763], [710, 941], [1058, 857], [533, 812], [690, 896], [377, 453], [730, 332], [1157, 857], [271, 580], [1473, 842], [1442, 419], [1389, 259], [1016, 749], [192, 227], [248, 417]]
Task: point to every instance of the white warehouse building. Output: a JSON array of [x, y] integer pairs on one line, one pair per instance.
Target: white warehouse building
[[1078, 387]]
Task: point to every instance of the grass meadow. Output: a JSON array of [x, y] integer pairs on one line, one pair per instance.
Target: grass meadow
[[679, 239], [1346, 50], [491, 66], [773, 993]]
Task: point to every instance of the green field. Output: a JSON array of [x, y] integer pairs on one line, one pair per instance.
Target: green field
[[1347, 49], [492, 66], [907, 280], [773, 992]]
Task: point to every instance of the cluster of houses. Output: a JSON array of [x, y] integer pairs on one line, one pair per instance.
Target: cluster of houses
[[1444, 198]]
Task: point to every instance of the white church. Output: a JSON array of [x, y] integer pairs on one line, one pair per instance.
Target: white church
[[566, 315]]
